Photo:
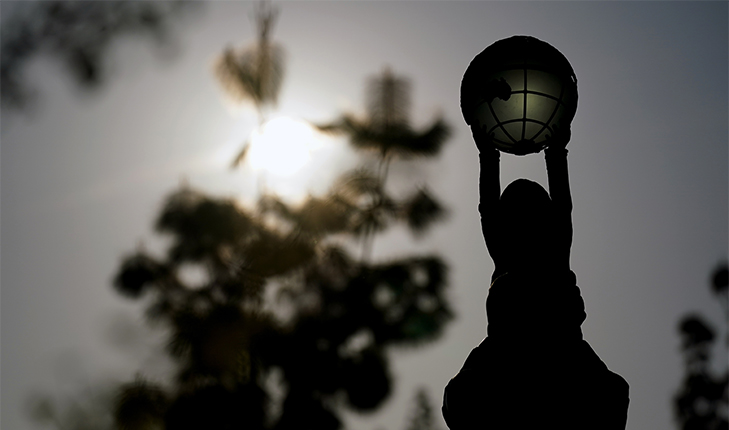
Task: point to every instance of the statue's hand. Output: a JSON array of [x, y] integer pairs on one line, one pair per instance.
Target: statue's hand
[[560, 139], [482, 139]]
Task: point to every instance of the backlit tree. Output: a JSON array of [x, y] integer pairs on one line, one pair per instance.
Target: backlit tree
[[294, 317]]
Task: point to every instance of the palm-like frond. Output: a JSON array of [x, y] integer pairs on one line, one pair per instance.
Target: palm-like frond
[[388, 101], [399, 140], [427, 143], [373, 208], [348, 124], [254, 73]]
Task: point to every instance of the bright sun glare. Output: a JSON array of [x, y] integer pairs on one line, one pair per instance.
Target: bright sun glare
[[287, 157], [282, 146]]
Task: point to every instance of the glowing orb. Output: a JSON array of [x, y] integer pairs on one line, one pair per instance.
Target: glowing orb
[[521, 93]]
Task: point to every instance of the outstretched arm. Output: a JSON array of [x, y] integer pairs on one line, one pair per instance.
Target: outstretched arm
[[558, 177], [489, 187], [559, 191]]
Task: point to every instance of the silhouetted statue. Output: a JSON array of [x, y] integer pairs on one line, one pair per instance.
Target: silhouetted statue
[[533, 370]]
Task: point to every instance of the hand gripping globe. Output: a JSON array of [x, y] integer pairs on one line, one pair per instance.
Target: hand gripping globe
[[520, 93]]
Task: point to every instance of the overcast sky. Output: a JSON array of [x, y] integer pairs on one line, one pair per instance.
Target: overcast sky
[[83, 178]]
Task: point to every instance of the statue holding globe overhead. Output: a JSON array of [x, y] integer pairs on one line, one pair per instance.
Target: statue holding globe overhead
[[534, 369]]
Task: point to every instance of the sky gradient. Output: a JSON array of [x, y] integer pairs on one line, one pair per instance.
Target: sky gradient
[[83, 178]]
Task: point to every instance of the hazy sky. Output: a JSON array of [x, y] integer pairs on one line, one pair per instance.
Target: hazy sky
[[83, 179]]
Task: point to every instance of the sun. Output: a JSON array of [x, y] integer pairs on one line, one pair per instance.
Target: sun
[[287, 157], [282, 146]]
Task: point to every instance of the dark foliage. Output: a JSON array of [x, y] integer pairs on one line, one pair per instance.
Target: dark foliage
[[77, 33], [283, 295], [387, 129], [702, 401], [140, 405], [421, 210], [255, 72], [327, 329], [138, 272], [287, 326], [395, 139]]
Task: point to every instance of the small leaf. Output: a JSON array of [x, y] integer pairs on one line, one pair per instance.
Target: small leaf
[[421, 210], [137, 273]]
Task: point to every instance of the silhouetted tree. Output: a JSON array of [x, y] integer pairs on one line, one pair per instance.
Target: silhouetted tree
[[701, 403], [386, 131], [288, 326], [282, 296], [77, 33]]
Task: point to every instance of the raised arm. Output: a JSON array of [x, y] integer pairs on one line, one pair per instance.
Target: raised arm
[[489, 188], [558, 177], [559, 191]]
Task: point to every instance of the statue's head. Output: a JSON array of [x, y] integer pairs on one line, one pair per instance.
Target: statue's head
[[525, 202], [526, 213]]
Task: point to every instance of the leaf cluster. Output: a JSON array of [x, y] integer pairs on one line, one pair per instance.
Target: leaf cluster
[[386, 129], [701, 402], [254, 73], [79, 34], [281, 294], [359, 203]]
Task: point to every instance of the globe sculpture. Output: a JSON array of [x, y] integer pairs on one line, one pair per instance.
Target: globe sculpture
[[534, 369], [521, 92]]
